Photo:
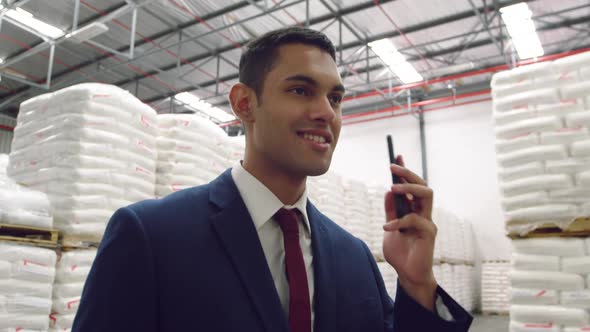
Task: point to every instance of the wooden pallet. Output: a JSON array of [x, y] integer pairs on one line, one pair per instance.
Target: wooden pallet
[[42, 237], [579, 228], [69, 241]]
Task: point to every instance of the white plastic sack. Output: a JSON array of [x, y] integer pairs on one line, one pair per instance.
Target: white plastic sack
[[549, 314], [519, 74], [533, 296], [546, 280], [532, 154], [507, 117], [78, 258], [580, 265], [521, 171], [578, 119], [68, 290], [66, 305], [565, 136], [61, 322], [544, 212], [570, 165], [573, 195], [525, 200], [576, 299], [535, 262], [580, 149], [517, 143], [573, 62], [25, 288], [15, 253], [537, 124], [583, 179], [563, 247], [575, 90], [33, 322], [561, 109], [536, 183], [26, 305]]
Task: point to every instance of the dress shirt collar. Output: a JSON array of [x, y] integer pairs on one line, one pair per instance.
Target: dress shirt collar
[[260, 201]]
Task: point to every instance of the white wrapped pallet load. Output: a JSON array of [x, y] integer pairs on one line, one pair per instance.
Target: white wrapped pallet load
[[26, 278], [86, 140], [549, 315], [576, 299], [495, 287], [533, 296], [72, 270], [528, 327], [535, 262], [192, 151], [563, 247]]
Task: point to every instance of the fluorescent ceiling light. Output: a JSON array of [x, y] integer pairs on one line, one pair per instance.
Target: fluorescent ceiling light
[[27, 19], [520, 26], [196, 103], [393, 59], [1, 61]]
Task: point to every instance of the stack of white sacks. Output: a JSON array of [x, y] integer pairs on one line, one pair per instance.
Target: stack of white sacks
[[26, 277], [326, 192], [550, 285], [454, 257], [357, 209], [495, 287], [192, 151], [542, 116], [71, 273], [20, 205], [376, 219], [90, 148]]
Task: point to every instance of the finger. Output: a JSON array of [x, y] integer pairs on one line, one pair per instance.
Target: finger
[[416, 190], [400, 160], [390, 211], [405, 173], [412, 222]]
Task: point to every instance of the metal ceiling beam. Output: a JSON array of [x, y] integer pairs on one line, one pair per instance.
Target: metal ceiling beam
[[484, 21], [345, 11]]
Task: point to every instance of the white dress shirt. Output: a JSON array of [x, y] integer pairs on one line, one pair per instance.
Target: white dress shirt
[[262, 204]]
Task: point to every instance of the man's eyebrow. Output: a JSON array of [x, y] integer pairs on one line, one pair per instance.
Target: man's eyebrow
[[311, 81]]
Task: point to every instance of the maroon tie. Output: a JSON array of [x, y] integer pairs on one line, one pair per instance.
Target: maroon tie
[[299, 307]]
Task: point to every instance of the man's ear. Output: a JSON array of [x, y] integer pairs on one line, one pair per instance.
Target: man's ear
[[242, 99]]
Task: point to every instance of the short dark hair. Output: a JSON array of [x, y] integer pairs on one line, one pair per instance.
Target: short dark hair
[[261, 54]]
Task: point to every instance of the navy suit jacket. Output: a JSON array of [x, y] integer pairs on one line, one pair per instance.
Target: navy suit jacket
[[192, 261]]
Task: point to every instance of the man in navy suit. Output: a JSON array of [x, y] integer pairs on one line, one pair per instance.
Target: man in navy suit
[[248, 251]]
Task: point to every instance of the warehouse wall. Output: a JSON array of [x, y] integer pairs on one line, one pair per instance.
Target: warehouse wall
[[461, 164], [6, 136]]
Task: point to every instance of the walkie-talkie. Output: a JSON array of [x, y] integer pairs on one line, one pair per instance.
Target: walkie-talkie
[[401, 203]]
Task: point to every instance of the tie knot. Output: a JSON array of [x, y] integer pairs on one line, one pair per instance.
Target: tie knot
[[287, 219]]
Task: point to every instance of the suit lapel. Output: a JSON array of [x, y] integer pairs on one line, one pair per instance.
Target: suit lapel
[[237, 233], [325, 296]]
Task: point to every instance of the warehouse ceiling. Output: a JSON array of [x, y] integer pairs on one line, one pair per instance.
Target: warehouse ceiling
[[157, 49]]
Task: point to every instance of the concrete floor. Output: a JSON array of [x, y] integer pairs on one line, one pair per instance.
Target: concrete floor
[[489, 324]]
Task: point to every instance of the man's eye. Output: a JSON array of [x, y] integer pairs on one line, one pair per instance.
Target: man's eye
[[299, 91], [336, 99]]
